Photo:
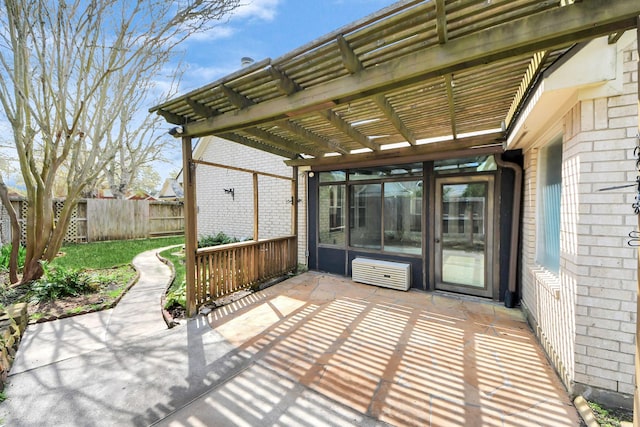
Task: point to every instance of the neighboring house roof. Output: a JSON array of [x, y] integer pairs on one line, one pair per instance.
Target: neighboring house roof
[[140, 195], [171, 189], [418, 77], [105, 193]]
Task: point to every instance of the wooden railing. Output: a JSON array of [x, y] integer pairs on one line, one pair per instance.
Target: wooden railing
[[222, 270]]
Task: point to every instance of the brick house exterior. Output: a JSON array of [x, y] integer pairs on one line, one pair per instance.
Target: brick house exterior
[[232, 213], [584, 309], [585, 312]]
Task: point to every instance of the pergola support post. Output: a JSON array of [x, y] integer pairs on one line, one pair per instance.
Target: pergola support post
[[256, 208], [190, 224], [636, 396], [294, 210]]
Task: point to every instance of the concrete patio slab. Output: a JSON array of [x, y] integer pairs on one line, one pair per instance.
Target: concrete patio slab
[[325, 345], [313, 350]]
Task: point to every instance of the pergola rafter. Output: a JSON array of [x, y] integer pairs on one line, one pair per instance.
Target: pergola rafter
[[417, 71]]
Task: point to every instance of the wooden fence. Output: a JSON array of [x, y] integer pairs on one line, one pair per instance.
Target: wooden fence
[[132, 219], [110, 219], [222, 270]]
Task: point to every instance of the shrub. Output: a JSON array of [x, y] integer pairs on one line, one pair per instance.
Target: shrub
[[218, 239], [177, 296], [60, 282], [5, 255]]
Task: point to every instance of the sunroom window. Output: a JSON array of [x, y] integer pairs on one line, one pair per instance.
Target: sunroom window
[[332, 214], [402, 226]]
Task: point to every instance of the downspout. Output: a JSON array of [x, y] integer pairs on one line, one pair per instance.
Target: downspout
[[510, 297]]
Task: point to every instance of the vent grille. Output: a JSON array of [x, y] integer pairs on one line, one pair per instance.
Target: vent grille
[[394, 275]]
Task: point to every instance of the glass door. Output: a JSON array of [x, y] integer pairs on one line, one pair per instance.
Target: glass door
[[464, 235]]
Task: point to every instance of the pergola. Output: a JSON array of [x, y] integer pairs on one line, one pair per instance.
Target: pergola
[[420, 79], [411, 74]]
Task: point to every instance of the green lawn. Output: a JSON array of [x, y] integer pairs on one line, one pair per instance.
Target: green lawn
[[106, 266], [177, 290], [99, 255]]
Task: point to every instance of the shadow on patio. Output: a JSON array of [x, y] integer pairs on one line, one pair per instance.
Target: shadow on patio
[[322, 350]]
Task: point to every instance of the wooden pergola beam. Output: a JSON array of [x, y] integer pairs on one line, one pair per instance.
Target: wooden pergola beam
[[448, 81], [393, 117], [281, 143], [248, 142], [349, 130], [354, 65], [311, 137], [172, 118], [613, 38], [349, 58], [201, 109], [479, 144], [238, 169], [441, 22], [285, 84], [552, 28], [236, 98]]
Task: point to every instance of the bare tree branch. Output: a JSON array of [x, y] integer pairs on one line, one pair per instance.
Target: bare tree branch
[[72, 76]]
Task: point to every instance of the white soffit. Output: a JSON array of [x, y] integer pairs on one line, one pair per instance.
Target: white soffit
[[592, 72]]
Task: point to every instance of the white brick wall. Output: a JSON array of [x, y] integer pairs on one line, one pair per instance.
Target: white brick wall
[[586, 316], [548, 298], [607, 285], [219, 211]]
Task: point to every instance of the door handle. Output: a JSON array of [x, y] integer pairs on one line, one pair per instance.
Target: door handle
[[437, 240]]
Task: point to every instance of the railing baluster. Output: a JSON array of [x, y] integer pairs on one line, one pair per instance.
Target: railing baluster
[[224, 269]]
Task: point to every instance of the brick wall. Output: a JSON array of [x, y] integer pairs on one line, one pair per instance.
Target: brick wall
[[233, 214], [585, 316], [605, 304], [549, 299]]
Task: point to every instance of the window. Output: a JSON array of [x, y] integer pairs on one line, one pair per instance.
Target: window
[[466, 165], [331, 214], [549, 195], [336, 202], [402, 226], [383, 206], [334, 176], [365, 227]]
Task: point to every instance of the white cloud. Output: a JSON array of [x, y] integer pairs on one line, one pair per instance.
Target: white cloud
[[259, 9], [264, 10], [215, 33], [196, 75]]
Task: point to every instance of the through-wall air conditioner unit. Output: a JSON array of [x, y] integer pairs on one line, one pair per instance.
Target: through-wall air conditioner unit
[[394, 275]]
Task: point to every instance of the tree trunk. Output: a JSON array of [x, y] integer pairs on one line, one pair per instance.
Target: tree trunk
[[39, 232], [15, 232]]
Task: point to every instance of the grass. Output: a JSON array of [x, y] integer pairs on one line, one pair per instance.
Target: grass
[[608, 417], [100, 255], [177, 259], [108, 266]]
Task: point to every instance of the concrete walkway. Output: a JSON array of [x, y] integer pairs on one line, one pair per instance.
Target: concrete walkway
[[313, 350]]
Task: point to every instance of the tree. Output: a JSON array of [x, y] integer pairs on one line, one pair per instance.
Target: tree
[[68, 72], [15, 231], [137, 151]]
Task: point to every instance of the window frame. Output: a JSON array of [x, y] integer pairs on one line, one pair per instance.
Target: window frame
[[550, 155]]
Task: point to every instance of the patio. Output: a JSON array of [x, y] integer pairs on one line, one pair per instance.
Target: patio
[[322, 350]]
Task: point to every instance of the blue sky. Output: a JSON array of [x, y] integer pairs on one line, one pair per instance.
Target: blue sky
[[261, 29], [266, 29], [258, 29]]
